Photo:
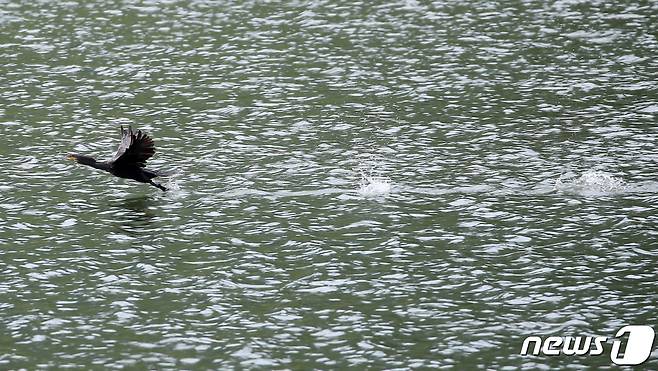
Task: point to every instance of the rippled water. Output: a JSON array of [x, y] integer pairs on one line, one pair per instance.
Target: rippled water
[[375, 184]]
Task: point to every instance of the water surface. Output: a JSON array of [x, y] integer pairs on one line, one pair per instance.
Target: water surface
[[358, 184]]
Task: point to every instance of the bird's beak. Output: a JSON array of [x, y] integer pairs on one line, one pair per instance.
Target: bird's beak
[[70, 157]]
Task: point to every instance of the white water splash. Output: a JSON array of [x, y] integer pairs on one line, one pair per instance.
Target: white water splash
[[373, 184], [591, 182], [173, 185]]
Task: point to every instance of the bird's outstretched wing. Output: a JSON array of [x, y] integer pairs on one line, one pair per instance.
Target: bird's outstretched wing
[[135, 148]]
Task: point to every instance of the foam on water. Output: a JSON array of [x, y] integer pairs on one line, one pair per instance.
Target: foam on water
[[591, 182]]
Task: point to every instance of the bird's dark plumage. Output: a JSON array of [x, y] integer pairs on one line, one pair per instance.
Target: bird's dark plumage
[[130, 159], [135, 148]]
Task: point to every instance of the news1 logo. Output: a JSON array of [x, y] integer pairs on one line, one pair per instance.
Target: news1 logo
[[637, 350]]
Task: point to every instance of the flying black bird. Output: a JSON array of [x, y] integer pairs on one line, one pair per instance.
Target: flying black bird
[[130, 160]]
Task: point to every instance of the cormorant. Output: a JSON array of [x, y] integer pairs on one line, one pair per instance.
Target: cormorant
[[130, 159]]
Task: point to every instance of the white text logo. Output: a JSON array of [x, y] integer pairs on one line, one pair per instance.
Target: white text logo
[[637, 350]]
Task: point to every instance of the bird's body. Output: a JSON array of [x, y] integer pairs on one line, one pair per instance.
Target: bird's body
[[129, 161]]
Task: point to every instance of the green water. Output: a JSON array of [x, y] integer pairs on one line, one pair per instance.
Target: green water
[[382, 185]]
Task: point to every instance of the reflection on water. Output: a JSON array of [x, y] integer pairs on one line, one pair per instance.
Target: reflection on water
[[139, 204], [366, 184], [132, 214]]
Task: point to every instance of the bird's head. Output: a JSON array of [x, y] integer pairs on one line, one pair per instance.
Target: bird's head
[[81, 159]]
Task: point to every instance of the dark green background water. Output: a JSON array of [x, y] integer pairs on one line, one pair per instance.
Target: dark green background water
[[360, 184]]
